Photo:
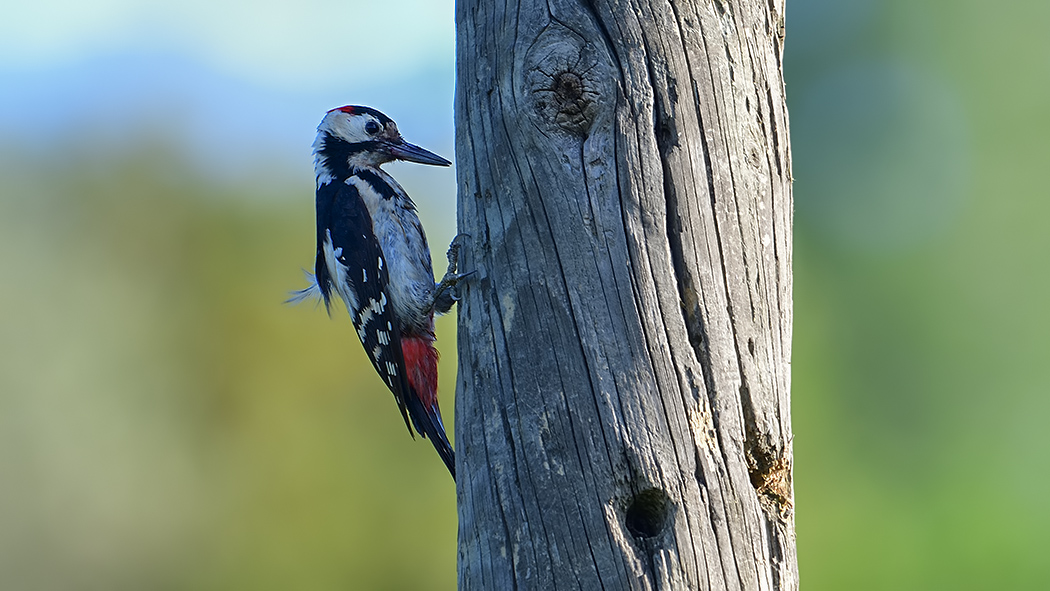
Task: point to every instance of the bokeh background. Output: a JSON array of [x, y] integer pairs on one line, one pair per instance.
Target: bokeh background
[[166, 422]]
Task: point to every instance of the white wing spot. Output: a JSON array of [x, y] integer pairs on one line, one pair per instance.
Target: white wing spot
[[383, 337], [380, 262], [391, 369], [364, 275]]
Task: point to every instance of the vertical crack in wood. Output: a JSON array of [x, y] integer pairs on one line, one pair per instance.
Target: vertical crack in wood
[[692, 313], [776, 545], [610, 47], [773, 132]]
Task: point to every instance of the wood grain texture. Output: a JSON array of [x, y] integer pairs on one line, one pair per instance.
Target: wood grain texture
[[624, 346]]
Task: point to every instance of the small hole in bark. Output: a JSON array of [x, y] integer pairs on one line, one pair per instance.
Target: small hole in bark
[[751, 346], [648, 512]]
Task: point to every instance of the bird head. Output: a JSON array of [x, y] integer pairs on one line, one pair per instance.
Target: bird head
[[370, 138]]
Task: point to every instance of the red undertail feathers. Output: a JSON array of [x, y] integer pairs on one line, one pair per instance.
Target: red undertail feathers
[[421, 364]]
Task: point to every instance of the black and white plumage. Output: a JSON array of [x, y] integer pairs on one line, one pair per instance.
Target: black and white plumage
[[372, 253]]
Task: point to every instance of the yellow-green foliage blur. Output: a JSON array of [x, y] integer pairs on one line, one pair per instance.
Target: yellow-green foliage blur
[[167, 422]]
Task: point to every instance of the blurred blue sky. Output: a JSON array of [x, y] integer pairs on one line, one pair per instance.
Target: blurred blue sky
[[237, 83], [276, 44]]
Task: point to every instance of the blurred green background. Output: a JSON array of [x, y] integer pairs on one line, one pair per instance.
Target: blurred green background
[[167, 423]]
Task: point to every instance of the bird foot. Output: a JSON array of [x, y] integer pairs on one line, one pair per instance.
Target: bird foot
[[445, 292]]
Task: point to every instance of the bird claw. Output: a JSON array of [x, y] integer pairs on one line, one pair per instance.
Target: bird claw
[[445, 293], [453, 253]]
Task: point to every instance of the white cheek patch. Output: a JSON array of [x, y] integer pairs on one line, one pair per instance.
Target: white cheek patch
[[345, 126]]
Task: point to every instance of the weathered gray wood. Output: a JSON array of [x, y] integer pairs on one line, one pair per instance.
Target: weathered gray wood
[[624, 348]]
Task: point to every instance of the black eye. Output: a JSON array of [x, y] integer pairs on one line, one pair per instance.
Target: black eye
[[372, 128]]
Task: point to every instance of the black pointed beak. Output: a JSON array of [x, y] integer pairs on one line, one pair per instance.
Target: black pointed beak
[[403, 150]]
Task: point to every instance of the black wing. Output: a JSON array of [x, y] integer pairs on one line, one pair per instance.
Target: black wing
[[343, 219]]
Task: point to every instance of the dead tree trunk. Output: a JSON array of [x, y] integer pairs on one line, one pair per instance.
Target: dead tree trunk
[[624, 347]]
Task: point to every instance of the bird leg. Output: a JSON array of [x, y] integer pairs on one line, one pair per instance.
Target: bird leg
[[445, 293]]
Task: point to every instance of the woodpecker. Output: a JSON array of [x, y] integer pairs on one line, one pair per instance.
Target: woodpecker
[[372, 253]]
